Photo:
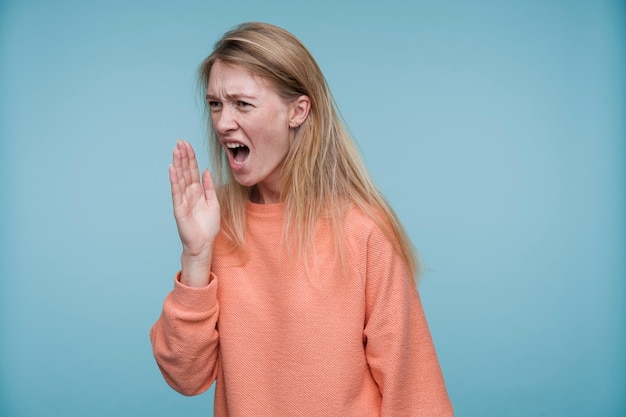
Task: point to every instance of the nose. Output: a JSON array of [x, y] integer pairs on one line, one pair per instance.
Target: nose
[[224, 120]]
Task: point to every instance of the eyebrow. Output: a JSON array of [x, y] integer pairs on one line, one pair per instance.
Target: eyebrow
[[235, 96]]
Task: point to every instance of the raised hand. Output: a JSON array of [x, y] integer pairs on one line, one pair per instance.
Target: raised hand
[[197, 213]]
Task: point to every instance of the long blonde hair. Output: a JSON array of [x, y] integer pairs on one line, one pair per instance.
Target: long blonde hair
[[323, 174]]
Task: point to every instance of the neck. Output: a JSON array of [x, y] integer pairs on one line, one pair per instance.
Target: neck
[[263, 195]]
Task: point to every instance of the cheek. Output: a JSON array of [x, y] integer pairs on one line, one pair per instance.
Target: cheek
[[275, 129], [278, 115]]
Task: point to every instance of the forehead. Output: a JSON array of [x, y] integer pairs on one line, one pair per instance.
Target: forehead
[[231, 80]]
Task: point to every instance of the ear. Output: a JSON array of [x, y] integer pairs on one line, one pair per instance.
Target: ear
[[300, 109]]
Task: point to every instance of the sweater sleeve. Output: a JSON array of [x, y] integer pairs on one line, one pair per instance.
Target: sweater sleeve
[[398, 344], [185, 338]]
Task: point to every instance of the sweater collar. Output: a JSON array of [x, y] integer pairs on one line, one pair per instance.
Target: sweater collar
[[264, 210]]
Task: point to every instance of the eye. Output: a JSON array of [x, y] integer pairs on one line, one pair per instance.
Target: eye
[[214, 105], [243, 105]]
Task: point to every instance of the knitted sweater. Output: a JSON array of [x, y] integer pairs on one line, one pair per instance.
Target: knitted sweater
[[283, 342]]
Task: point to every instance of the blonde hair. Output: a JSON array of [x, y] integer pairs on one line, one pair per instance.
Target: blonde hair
[[323, 174]]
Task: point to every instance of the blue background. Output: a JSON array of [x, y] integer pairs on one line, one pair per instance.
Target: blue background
[[495, 128]]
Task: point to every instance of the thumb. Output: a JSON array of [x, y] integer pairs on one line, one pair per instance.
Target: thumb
[[208, 185]]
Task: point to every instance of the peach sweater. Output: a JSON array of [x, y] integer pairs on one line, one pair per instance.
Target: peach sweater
[[280, 342]]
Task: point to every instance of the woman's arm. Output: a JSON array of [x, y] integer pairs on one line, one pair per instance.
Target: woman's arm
[[185, 338], [399, 347]]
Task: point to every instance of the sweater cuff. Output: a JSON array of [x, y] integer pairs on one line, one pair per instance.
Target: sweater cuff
[[195, 299]]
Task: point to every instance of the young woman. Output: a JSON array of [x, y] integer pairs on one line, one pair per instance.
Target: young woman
[[297, 288]]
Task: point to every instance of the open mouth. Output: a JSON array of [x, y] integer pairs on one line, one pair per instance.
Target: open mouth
[[238, 151]]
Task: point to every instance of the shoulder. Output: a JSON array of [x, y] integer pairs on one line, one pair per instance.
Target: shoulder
[[358, 222], [373, 251], [364, 228]]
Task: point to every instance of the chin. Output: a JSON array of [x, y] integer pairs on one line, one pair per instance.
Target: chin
[[245, 182]]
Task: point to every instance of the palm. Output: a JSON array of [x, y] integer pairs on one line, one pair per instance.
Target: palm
[[196, 207]]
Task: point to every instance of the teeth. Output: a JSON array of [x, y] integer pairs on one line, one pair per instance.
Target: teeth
[[233, 145]]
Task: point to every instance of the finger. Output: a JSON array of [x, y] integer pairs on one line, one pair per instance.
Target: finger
[[177, 180], [177, 162], [176, 190], [208, 185], [184, 153], [193, 163], [176, 156]]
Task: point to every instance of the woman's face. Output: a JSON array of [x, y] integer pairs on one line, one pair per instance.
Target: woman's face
[[254, 124]]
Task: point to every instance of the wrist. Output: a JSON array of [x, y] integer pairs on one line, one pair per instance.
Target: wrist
[[196, 270]]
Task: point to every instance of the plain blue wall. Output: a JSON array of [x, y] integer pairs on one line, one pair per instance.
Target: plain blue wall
[[495, 128]]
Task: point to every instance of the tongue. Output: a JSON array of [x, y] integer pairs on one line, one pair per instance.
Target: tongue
[[241, 154]]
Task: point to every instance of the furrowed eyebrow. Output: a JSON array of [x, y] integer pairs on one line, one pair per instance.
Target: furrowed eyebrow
[[233, 97]]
